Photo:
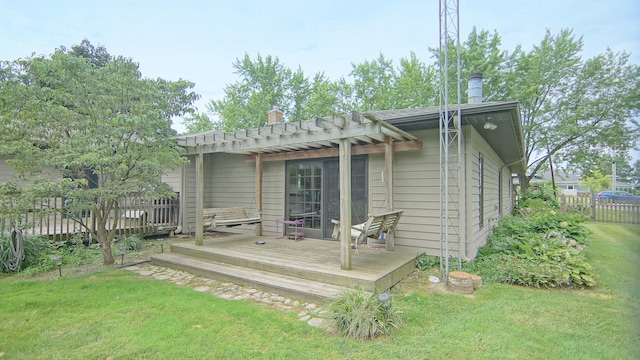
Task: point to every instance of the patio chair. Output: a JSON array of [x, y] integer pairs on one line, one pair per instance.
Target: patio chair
[[377, 227]]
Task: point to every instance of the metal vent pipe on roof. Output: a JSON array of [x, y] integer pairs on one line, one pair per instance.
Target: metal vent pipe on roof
[[475, 88]]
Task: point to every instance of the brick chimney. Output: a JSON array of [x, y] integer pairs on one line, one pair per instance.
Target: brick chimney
[[274, 116]]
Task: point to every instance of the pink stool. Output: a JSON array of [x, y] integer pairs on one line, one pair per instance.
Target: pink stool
[[298, 228]]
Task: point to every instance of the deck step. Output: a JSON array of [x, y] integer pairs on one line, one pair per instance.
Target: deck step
[[289, 286], [292, 266]]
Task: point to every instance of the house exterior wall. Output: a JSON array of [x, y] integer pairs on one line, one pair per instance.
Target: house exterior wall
[[173, 178], [416, 191], [492, 208], [273, 194], [7, 172], [188, 196], [230, 182]]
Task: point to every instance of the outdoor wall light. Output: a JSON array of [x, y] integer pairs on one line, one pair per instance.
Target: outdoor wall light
[[58, 261], [384, 299], [489, 125]]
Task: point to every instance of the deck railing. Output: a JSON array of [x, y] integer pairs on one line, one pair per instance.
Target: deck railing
[[602, 210], [134, 215]]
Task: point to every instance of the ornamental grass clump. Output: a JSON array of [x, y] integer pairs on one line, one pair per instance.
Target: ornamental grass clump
[[537, 246], [360, 315]]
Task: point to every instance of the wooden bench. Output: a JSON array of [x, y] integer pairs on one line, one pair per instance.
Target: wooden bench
[[227, 217], [373, 229]]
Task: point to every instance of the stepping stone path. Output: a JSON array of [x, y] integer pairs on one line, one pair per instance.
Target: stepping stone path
[[307, 312]]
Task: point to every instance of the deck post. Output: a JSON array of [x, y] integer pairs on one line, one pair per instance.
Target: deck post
[[199, 197], [259, 192], [345, 203], [388, 163]]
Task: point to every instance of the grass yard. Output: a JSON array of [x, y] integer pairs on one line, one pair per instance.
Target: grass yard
[[114, 314]]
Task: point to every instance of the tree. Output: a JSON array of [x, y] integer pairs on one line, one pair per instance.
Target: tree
[[480, 53], [264, 84], [197, 123], [325, 98], [635, 173], [573, 110], [68, 115], [596, 182], [98, 56], [373, 84], [415, 84]]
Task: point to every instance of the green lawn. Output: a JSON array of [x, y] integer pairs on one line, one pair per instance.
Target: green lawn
[[117, 315]]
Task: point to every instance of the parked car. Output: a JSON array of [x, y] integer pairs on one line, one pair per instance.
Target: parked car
[[616, 196]]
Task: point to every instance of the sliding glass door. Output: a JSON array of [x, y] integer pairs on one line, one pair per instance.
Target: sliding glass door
[[313, 189]]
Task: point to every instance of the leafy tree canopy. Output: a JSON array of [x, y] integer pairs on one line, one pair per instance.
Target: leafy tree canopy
[[85, 112], [596, 182], [574, 111]]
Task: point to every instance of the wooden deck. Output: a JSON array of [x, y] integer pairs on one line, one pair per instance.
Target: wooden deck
[[306, 269]]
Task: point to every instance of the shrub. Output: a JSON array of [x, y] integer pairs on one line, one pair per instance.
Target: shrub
[[130, 242], [426, 262], [537, 246], [361, 315]]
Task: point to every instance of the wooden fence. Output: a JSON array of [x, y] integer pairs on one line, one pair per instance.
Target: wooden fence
[[603, 210], [135, 215]]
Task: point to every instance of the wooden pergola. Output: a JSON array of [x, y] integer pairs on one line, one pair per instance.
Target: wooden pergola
[[341, 136]]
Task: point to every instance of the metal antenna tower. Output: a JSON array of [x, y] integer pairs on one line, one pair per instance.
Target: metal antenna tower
[[451, 194]]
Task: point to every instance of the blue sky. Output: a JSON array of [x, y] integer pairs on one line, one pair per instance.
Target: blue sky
[[199, 40]]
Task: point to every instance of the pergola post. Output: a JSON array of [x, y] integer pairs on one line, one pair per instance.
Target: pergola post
[[259, 174], [388, 164], [345, 203], [199, 197]]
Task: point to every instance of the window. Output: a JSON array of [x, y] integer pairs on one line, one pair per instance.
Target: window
[[313, 189], [481, 189], [305, 189]]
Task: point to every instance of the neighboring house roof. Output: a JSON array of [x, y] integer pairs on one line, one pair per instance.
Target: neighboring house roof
[[564, 178], [369, 128], [561, 177]]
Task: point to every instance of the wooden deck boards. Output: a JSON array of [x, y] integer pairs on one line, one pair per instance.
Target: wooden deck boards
[[311, 254], [312, 260]]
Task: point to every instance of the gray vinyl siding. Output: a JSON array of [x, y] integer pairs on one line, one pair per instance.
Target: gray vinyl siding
[[173, 178], [229, 181], [477, 234], [273, 195], [416, 191], [7, 172]]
